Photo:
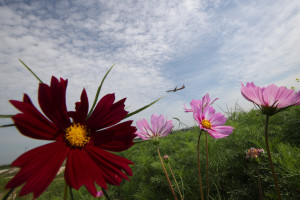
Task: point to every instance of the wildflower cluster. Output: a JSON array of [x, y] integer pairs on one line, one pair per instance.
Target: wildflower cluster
[[85, 138], [253, 153]]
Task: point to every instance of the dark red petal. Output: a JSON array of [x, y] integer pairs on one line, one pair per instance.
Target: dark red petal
[[81, 109], [112, 165], [107, 113], [117, 138], [52, 100], [31, 122], [81, 170], [38, 168]]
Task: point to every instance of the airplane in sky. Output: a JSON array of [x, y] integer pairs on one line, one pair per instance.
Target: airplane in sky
[[176, 89]]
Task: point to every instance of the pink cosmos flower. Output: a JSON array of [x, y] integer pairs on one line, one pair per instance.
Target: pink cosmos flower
[[199, 103], [159, 127], [270, 99], [212, 122]]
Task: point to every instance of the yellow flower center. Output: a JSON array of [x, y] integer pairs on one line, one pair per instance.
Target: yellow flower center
[[206, 124], [77, 135]]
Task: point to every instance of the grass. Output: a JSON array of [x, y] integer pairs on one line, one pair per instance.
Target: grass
[[4, 167], [231, 177]]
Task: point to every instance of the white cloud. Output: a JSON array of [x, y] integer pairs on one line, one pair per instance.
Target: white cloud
[[262, 41], [229, 42], [256, 41], [80, 41]]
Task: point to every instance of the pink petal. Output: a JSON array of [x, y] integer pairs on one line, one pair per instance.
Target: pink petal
[[167, 128], [208, 112], [196, 104], [220, 131], [270, 94], [187, 109], [252, 93], [218, 119], [297, 99], [206, 100], [145, 130], [155, 122], [285, 97]]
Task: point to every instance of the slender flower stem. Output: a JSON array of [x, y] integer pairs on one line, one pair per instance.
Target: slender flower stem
[[81, 195], [199, 170], [8, 194], [270, 159], [105, 194], [175, 181], [71, 193], [162, 163], [207, 177], [259, 183], [66, 191]]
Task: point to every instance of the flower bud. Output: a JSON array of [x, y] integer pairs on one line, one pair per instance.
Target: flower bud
[[166, 158], [253, 153], [100, 194]]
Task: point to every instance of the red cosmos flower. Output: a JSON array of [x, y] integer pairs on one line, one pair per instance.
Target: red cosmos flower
[[83, 141]]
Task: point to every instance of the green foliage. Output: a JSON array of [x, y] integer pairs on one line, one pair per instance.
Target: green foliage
[[231, 176]]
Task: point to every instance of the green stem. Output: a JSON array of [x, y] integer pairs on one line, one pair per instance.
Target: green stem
[[207, 177], [105, 194], [270, 159], [199, 170], [259, 183], [162, 163], [66, 191], [71, 193], [175, 181], [8, 194]]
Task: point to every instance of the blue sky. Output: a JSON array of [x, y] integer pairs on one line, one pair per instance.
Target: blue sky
[[208, 45]]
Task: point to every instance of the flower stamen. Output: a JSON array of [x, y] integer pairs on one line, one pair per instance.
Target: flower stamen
[[77, 135], [206, 124]]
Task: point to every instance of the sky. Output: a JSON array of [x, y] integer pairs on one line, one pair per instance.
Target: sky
[[210, 46]]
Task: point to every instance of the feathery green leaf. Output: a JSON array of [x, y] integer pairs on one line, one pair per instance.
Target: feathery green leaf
[[6, 116], [31, 71], [6, 125], [143, 108], [98, 91]]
